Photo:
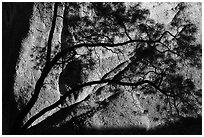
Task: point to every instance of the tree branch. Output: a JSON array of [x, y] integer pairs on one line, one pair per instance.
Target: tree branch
[[126, 31], [174, 102], [49, 45], [114, 70], [19, 121], [72, 48], [166, 33], [31, 120], [168, 50]]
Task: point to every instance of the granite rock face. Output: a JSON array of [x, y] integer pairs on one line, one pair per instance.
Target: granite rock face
[[93, 107], [120, 110], [25, 28], [28, 68]]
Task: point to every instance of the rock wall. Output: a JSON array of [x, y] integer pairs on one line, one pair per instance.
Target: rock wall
[[121, 110], [29, 67], [25, 33]]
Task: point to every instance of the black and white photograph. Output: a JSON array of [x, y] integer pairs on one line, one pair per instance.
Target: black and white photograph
[[101, 68]]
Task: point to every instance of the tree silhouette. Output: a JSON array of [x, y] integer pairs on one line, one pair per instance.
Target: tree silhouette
[[155, 55]]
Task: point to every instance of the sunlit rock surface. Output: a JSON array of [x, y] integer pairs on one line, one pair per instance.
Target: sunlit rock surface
[[28, 70], [123, 110]]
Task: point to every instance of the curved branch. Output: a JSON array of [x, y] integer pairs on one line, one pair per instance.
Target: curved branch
[[31, 120], [19, 121], [168, 50], [126, 31], [62, 53], [166, 33], [50, 64]]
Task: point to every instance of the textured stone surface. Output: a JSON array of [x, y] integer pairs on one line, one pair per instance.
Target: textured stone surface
[[125, 109], [120, 111], [27, 69]]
